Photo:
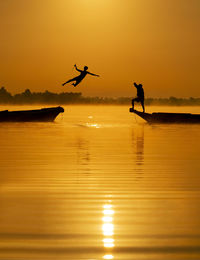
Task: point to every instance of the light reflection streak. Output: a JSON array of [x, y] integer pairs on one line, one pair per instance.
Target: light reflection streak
[[108, 212], [107, 206], [108, 229], [108, 257], [93, 125], [107, 219]]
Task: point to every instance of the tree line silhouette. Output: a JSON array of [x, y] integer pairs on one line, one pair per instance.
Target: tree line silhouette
[[28, 97]]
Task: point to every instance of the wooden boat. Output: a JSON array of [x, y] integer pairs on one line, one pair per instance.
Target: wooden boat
[[39, 115], [184, 118]]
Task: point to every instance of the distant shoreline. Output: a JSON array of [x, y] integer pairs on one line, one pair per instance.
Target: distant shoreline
[[68, 98]]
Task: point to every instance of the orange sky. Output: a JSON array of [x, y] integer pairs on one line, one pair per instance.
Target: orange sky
[[153, 42]]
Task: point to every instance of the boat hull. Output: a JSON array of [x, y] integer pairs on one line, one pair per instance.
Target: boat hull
[[39, 115], [167, 118]]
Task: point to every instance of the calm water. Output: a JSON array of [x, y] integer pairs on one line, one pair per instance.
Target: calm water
[[99, 183]]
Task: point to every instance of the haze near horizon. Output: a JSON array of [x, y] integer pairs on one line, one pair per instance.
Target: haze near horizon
[[152, 42]]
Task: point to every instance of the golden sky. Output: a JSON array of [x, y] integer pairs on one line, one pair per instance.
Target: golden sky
[[154, 42]]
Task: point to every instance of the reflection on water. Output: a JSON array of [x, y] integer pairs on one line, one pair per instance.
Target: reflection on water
[[108, 257], [138, 143], [108, 229], [83, 154], [97, 184]]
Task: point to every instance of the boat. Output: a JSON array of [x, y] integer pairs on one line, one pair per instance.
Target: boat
[[39, 115], [184, 118]]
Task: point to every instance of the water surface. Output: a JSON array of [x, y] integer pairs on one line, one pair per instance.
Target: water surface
[[99, 183]]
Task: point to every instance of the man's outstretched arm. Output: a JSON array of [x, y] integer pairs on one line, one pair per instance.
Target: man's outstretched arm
[[93, 74], [77, 68]]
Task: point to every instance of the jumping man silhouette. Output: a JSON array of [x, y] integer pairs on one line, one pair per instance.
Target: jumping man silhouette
[[79, 78]]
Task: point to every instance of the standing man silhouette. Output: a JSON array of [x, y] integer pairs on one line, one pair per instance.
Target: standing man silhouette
[[79, 78], [140, 95]]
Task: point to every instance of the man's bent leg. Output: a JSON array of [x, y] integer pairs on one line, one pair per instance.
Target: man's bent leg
[[133, 103], [142, 103], [78, 80], [71, 80]]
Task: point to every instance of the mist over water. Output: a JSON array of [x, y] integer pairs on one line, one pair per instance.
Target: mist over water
[[100, 183]]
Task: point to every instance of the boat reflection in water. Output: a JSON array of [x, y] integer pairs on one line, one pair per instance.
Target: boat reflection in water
[[108, 229]]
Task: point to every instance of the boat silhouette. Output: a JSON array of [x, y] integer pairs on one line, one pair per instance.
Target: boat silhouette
[[38, 115], [184, 118]]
